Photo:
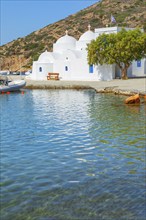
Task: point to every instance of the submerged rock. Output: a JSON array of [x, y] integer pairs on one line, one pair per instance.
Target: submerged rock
[[134, 99]]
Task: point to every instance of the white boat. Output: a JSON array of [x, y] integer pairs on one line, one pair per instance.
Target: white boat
[[4, 72], [28, 72], [10, 86]]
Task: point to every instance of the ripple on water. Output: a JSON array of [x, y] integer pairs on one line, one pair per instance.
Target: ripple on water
[[71, 155]]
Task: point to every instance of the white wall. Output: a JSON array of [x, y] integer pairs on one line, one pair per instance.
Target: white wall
[[41, 75], [118, 71], [78, 68], [34, 70], [105, 72], [109, 30], [139, 68]]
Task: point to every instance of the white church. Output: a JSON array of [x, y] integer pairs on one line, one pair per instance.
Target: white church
[[68, 61]]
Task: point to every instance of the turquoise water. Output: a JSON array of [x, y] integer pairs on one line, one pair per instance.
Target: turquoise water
[[71, 155]]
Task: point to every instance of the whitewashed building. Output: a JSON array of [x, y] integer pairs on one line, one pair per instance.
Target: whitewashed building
[[69, 60]]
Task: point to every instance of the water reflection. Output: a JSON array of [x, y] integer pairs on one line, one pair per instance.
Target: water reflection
[[75, 155], [134, 108]]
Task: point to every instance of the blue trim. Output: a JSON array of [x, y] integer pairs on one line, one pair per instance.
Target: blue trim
[[91, 68], [138, 63]]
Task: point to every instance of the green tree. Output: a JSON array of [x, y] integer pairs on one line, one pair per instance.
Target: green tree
[[121, 49]]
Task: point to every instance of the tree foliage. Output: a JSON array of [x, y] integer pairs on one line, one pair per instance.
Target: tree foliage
[[121, 49]]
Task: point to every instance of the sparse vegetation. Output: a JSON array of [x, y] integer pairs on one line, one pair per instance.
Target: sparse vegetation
[[130, 13]]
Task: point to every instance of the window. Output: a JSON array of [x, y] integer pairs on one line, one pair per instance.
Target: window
[[91, 68], [66, 68], [138, 63], [40, 69]]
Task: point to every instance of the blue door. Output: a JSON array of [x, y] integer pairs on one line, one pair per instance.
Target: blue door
[[91, 68]]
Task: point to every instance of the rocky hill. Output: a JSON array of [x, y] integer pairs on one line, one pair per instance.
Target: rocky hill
[[22, 52]]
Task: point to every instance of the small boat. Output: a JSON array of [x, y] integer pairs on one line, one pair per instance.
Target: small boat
[[4, 72], [28, 72], [10, 86]]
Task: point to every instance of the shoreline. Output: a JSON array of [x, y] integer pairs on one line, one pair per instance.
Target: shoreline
[[117, 86]]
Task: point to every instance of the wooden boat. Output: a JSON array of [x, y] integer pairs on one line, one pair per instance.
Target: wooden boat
[[10, 86]]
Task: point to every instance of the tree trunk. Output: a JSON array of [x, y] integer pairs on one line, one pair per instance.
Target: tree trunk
[[124, 73]]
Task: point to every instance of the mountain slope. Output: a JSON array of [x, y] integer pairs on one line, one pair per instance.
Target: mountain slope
[[21, 52]]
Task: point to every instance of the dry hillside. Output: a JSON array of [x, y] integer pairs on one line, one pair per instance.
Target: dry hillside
[[21, 52]]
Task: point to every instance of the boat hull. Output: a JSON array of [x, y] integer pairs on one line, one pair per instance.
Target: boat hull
[[13, 86]]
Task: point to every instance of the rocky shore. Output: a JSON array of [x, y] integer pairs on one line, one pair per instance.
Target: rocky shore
[[116, 86]]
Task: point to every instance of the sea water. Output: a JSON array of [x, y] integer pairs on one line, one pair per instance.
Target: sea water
[[71, 155]]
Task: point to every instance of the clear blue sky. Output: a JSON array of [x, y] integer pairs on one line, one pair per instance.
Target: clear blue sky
[[21, 17]]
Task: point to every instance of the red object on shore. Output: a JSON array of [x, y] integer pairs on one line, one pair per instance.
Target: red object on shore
[[134, 99]]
